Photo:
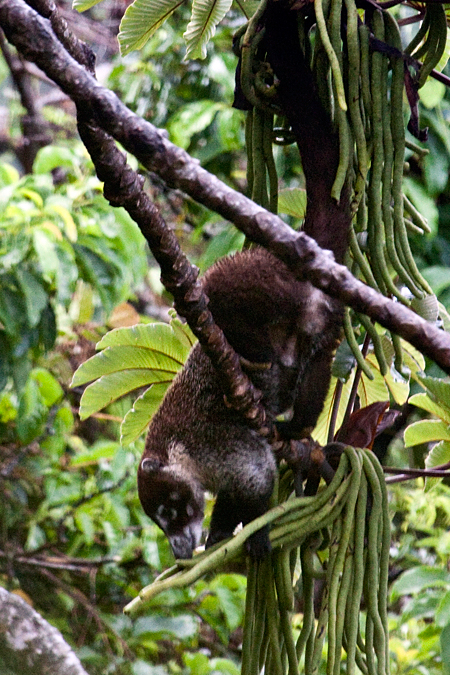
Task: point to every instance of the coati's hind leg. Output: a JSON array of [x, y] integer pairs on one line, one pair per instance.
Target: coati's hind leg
[[229, 511]]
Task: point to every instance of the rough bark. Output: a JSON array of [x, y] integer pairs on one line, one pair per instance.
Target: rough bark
[[29, 645]]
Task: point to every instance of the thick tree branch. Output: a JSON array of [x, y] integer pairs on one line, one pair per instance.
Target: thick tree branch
[[29, 645], [34, 39]]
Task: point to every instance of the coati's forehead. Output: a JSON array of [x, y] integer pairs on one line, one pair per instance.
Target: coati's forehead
[[177, 453]]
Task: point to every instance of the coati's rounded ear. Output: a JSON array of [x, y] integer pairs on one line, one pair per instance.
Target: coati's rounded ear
[[151, 465]]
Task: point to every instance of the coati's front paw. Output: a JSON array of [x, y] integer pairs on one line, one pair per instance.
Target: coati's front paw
[[258, 546]]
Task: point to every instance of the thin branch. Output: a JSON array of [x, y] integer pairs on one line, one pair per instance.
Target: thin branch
[[31, 35], [401, 475]]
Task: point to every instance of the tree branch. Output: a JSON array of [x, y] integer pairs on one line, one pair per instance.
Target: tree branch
[[33, 37], [29, 645]]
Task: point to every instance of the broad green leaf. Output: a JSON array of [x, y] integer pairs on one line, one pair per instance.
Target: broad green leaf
[[191, 119], [35, 295], [412, 358], [426, 431], [206, 14], [32, 195], [49, 387], [32, 413], [432, 92], [53, 156], [67, 218], [398, 386], [137, 419], [100, 451], [443, 611], [445, 649], [111, 387], [370, 391], [426, 403], [439, 389], [114, 359], [343, 362], [418, 578], [8, 174], [85, 523], [182, 626], [185, 336], [158, 337], [438, 455], [141, 19], [320, 433], [292, 202], [438, 277]]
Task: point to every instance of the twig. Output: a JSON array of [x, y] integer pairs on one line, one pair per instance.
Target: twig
[[401, 475]]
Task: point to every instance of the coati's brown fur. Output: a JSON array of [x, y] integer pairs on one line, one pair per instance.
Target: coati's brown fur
[[196, 443]]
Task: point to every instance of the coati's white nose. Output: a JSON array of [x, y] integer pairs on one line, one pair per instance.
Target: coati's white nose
[[184, 543]]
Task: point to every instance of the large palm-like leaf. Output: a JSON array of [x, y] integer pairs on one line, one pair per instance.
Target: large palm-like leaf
[[206, 14], [132, 358], [141, 20]]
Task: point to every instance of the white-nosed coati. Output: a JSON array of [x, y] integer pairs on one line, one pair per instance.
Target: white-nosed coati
[[195, 442]]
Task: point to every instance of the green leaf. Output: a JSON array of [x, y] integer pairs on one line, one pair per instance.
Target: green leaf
[[123, 358], [419, 578], [83, 5], [292, 202], [84, 522], [141, 19], [53, 156], [191, 119], [438, 388], [167, 339], [412, 358], [370, 391], [8, 174], [426, 431], [138, 418], [111, 387], [438, 278], [443, 611], [32, 413], [36, 298], [445, 649], [49, 387], [182, 626], [424, 402], [102, 450], [438, 455], [206, 14], [320, 433]]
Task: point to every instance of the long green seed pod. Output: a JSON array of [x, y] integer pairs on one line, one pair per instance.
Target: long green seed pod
[[354, 346], [438, 39], [334, 63], [398, 137], [269, 162], [354, 62], [376, 343]]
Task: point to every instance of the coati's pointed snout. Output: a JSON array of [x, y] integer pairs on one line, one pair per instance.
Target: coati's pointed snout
[[185, 542], [174, 502]]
